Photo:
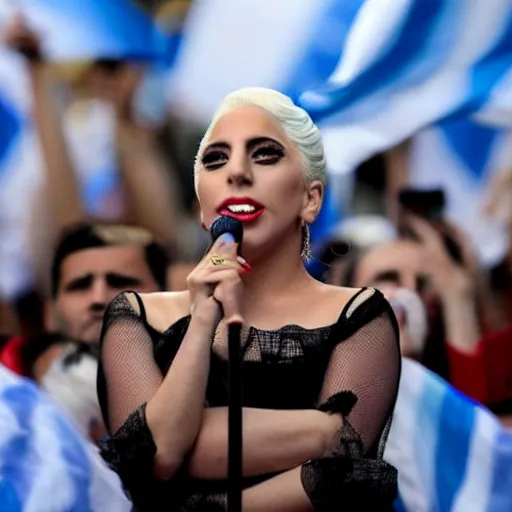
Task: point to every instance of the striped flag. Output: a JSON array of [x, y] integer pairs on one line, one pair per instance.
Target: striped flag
[[463, 157], [408, 64], [19, 165], [452, 455], [45, 464], [70, 30], [83, 29], [442, 68], [296, 47], [371, 73]]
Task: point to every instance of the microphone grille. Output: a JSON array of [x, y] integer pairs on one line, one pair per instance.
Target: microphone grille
[[227, 225]]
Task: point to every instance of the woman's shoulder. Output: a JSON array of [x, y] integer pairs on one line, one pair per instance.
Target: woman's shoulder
[[161, 309], [353, 302]]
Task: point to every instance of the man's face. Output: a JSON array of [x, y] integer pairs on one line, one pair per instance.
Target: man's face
[[394, 269], [90, 279], [400, 263]]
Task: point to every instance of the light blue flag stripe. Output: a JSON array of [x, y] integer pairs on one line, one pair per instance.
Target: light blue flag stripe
[[426, 410], [456, 425], [472, 143], [461, 456], [324, 48], [73, 452], [501, 490], [418, 27], [428, 70], [78, 29], [43, 457], [10, 127], [487, 73], [16, 460]]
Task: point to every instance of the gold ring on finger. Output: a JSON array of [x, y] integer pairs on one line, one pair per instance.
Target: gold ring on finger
[[218, 260]]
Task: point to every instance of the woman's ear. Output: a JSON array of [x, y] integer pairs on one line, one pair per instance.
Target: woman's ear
[[313, 201]]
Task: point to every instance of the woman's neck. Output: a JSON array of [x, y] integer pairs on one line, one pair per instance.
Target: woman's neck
[[279, 274]]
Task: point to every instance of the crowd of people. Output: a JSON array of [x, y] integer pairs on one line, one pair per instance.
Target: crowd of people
[[452, 314]]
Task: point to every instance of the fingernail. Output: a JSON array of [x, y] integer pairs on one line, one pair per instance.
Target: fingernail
[[226, 238], [245, 265]]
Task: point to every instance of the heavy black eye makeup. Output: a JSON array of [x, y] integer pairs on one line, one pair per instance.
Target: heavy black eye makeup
[[263, 150], [268, 153], [214, 158]]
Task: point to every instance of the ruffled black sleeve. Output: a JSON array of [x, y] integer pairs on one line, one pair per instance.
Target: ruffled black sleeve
[[127, 378], [361, 384]]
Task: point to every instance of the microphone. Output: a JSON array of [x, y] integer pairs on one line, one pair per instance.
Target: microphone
[[219, 227], [230, 225]]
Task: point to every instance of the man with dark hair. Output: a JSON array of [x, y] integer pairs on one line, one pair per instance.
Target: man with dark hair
[[92, 264]]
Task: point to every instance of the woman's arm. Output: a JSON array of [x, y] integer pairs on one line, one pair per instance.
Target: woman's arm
[[62, 187], [283, 493], [365, 366], [455, 285], [174, 413], [174, 404], [145, 171], [463, 330], [273, 441], [59, 203]]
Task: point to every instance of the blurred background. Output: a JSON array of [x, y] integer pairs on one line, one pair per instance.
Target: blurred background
[[102, 107]]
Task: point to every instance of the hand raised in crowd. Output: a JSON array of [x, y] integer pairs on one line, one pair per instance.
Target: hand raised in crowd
[[447, 275], [22, 39], [498, 203], [118, 86]]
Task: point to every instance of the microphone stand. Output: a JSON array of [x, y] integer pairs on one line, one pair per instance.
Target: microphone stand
[[235, 419]]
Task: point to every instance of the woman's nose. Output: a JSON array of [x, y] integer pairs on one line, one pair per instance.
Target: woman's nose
[[239, 172]]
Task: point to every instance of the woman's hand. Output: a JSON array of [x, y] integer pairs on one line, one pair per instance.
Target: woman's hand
[[215, 285], [448, 277], [20, 38]]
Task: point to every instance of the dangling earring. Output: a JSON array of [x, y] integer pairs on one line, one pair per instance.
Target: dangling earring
[[306, 253]]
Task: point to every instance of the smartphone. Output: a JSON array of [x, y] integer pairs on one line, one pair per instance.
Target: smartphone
[[429, 204]]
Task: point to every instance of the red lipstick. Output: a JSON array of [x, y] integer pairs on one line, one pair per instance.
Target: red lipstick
[[245, 209]]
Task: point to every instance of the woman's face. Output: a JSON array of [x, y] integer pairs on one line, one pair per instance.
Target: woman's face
[[250, 170]]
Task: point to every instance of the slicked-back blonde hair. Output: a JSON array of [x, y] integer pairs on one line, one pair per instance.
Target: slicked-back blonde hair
[[294, 120]]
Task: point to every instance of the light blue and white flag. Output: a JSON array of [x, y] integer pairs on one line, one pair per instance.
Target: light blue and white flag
[[20, 173], [90, 134], [442, 67], [250, 43], [86, 29], [452, 455], [371, 73], [408, 64], [45, 464], [69, 30], [463, 157], [287, 45]]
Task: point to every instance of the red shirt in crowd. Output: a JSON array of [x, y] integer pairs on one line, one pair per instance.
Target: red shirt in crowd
[[486, 374]]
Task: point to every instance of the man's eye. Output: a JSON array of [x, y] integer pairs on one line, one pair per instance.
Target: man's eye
[[80, 284]]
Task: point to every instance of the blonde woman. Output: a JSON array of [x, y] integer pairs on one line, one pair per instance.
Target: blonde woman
[[321, 363]]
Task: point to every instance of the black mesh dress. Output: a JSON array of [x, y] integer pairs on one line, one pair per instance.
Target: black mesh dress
[[351, 367]]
